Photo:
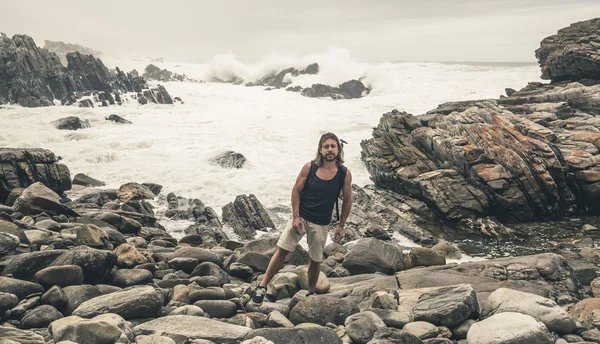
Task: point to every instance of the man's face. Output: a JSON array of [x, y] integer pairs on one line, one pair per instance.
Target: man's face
[[329, 150]]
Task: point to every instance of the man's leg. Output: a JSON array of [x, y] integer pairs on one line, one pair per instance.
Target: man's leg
[[274, 265], [314, 268]]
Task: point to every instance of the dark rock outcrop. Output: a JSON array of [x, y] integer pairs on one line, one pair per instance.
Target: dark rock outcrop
[[279, 79], [117, 119], [571, 54], [246, 215], [348, 90], [229, 159], [20, 168], [32, 76], [71, 123]]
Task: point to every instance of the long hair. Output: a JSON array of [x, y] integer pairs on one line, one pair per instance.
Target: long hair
[[319, 158]]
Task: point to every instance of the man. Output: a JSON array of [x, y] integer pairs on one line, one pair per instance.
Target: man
[[316, 190]]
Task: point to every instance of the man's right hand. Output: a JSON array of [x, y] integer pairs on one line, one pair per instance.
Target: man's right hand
[[297, 224]]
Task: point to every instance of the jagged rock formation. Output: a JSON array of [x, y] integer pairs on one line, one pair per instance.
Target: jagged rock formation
[[31, 76], [348, 90], [246, 215], [229, 159], [61, 49], [572, 54], [71, 123], [20, 168], [530, 155], [152, 72]]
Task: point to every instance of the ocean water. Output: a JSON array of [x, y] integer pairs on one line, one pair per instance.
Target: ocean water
[[277, 131]]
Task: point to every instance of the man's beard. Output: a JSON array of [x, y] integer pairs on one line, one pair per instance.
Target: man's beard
[[330, 157]]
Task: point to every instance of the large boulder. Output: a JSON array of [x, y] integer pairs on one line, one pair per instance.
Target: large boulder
[[194, 327], [442, 306], [362, 326], [78, 330], [135, 302], [322, 309], [20, 168], [40, 317], [62, 276], [229, 159], [37, 198], [307, 335], [82, 179], [26, 265], [571, 54], [585, 312], [371, 255], [71, 123], [509, 328], [18, 287], [542, 309], [246, 215], [96, 264], [13, 335]]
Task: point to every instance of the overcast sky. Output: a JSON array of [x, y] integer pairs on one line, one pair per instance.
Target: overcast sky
[[385, 30]]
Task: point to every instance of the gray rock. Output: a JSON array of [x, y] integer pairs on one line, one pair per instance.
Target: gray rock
[[373, 255], [130, 277], [39, 317], [211, 269], [257, 261], [322, 309], [394, 336], [229, 159], [212, 293], [76, 295], [193, 327], [96, 264], [441, 306], [7, 301], [246, 215], [312, 335], [362, 326], [571, 54], [82, 179], [55, 297], [542, 309], [240, 270], [322, 286], [37, 198], [8, 243], [78, 330], [129, 257], [185, 264], [135, 302], [217, 308], [393, 318], [61, 276], [134, 191], [18, 287], [460, 332], [276, 319], [153, 339], [188, 310], [201, 254], [509, 328], [269, 307], [117, 119], [28, 264], [421, 329], [20, 336], [422, 256], [71, 123]]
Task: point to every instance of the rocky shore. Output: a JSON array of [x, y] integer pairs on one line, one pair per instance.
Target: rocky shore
[[100, 267], [33, 77]]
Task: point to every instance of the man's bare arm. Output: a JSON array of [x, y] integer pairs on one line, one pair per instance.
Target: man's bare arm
[[347, 197], [297, 189]]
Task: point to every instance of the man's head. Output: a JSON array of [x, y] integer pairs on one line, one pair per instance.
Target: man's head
[[329, 149]]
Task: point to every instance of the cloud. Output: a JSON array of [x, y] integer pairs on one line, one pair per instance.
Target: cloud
[[432, 30]]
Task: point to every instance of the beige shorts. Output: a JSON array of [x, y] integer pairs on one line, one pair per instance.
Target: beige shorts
[[316, 236]]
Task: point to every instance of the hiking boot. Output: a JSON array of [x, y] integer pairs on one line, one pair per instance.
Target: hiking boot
[[259, 295]]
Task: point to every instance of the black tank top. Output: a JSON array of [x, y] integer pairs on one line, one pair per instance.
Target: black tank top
[[318, 197]]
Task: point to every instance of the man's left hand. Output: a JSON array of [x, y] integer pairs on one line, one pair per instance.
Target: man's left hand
[[338, 235]]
